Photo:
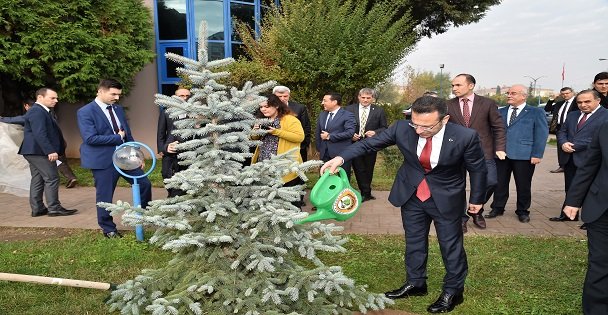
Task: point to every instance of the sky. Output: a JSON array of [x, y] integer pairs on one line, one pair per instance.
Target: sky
[[520, 38]]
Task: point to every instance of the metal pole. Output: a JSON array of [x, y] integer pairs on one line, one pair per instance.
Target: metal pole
[[441, 65], [139, 228], [534, 85]]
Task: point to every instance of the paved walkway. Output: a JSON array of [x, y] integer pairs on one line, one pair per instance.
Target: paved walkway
[[375, 217]]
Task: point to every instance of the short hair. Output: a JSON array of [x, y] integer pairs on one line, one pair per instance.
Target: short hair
[[274, 101], [600, 76], [281, 89], [43, 91], [430, 104], [335, 97], [566, 88], [596, 94], [469, 78], [107, 84], [367, 91], [524, 90], [431, 93]]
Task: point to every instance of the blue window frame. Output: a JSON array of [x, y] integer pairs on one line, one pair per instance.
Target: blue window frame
[[176, 29]]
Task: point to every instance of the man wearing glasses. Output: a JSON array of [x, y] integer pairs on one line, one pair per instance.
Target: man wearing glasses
[[430, 186], [527, 134]]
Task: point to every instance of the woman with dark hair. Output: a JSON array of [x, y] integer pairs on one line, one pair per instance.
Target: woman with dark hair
[[285, 132]]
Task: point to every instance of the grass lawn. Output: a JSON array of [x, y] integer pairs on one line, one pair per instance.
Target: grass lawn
[[507, 275]]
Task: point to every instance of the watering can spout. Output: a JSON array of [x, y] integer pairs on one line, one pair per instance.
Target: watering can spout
[[334, 198]]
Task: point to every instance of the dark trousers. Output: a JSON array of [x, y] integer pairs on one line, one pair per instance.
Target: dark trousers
[[522, 171], [491, 180], [64, 168], [569, 172], [45, 180], [105, 184], [169, 167], [595, 289], [363, 167], [416, 217], [304, 153]]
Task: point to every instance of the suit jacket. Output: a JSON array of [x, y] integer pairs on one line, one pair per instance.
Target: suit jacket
[[16, 120], [341, 130], [301, 113], [527, 135], [591, 179], [557, 107], [376, 118], [164, 131], [582, 137], [460, 152], [486, 120], [41, 134], [98, 138]]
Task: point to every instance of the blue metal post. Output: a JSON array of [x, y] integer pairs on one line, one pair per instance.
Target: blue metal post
[[139, 228]]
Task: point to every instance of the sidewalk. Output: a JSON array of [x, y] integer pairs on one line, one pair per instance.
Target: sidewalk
[[374, 217]]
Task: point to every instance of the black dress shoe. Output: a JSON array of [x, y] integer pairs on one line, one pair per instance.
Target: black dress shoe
[[523, 218], [71, 183], [562, 218], [494, 214], [479, 220], [445, 303], [62, 212], [583, 226], [40, 213], [113, 234], [368, 198], [407, 290], [557, 170]]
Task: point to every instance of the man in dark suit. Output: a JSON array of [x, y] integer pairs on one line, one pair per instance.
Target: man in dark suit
[[63, 167], [575, 135], [166, 142], [300, 111], [335, 128], [560, 111], [588, 190], [527, 134], [430, 186], [41, 147], [103, 126], [371, 120], [481, 114]]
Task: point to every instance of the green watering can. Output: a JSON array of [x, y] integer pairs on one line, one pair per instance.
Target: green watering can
[[334, 198]]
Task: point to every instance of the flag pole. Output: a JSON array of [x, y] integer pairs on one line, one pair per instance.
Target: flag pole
[[563, 73]]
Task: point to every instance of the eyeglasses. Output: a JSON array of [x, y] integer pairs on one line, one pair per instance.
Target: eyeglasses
[[424, 128], [512, 93]]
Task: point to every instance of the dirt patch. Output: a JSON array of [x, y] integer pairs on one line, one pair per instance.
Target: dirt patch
[[12, 234]]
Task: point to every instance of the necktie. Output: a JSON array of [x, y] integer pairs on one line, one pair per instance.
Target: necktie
[[424, 192], [329, 118], [363, 121], [114, 124], [582, 121], [564, 111], [466, 112], [513, 115]]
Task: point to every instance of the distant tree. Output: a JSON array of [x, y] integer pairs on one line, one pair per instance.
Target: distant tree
[[418, 82], [388, 92], [498, 90], [69, 45]]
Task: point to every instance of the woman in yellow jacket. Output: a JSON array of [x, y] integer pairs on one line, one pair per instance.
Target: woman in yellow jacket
[[285, 133]]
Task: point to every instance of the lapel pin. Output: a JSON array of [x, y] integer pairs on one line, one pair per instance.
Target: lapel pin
[[450, 139]]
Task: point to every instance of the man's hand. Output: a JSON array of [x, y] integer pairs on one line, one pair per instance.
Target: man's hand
[[53, 157], [332, 165], [324, 135], [501, 155], [474, 208], [571, 211], [535, 161], [370, 133], [568, 147], [122, 133], [171, 147], [356, 137]]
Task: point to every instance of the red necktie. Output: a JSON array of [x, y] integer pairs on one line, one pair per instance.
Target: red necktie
[[582, 122], [424, 192], [466, 112], [114, 124]]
